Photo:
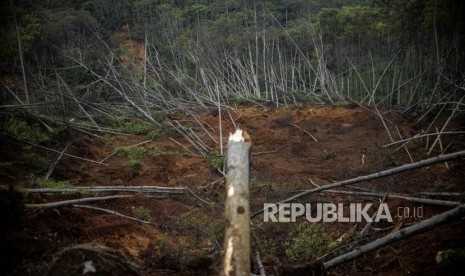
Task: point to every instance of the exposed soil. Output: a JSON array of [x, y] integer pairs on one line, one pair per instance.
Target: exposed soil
[[346, 142]]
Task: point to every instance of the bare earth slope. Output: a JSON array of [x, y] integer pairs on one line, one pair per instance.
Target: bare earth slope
[[293, 149]]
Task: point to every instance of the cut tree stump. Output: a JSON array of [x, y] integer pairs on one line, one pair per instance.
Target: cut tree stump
[[236, 259]]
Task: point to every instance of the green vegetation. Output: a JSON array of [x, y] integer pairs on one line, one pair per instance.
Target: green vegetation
[[132, 152], [135, 127], [37, 163], [293, 185], [154, 135], [19, 128], [134, 164], [52, 184], [167, 253], [156, 151], [193, 127], [309, 243], [273, 238], [140, 67], [127, 124], [211, 223], [140, 212], [6, 164], [216, 160], [376, 52], [274, 194], [441, 186], [163, 243], [255, 184], [134, 155], [451, 257]]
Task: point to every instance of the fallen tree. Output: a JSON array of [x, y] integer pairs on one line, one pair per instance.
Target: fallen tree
[[420, 227], [406, 197], [100, 189], [396, 170], [73, 201]]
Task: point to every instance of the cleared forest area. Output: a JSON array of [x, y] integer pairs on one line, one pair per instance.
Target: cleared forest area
[[115, 118]]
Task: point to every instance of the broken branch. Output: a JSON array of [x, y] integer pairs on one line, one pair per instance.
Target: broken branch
[[73, 201], [420, 227], [396, 170]]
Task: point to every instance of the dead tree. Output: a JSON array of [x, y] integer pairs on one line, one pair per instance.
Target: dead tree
[[425, 225]]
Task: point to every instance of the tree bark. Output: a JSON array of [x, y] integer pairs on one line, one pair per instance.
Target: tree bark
[[236, 259], [422, 226], [403, 168]]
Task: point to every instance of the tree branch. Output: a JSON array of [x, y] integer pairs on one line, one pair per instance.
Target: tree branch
[[396, 170], [420, 227], [74, 201]]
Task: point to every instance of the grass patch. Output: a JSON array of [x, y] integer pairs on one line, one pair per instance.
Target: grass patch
[[33, 161], [6, 164], [140, 212], [255, 184], [293, 184], [21, 129], [135, 127], [272, 238], [52, 184], [154, 135], [214, 224], [441, 186], [310, 241], [131, 126], [158, 151], [134, 164], [134, 154], [192, 127], [216, 160], [451, 257]]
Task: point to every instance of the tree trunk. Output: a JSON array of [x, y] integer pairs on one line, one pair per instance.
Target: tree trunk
[[236, 259], [420, 227]]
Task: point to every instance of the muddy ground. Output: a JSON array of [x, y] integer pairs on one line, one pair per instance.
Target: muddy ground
[[293, 149]]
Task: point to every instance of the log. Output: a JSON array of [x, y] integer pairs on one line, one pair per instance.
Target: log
[[236, 259], [73, 201], [420, 227], [420, 164]]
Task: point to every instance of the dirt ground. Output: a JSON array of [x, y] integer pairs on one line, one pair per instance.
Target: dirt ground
[[293, 149]]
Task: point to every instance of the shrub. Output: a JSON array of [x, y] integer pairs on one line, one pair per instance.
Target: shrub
[[52, 184], [441, 186], [216, 160], [132, 153], [154, 135], [18, 128], [135, 127], [451, 257], [141, 213], [134, 164], [310, 243], [33, 161]]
